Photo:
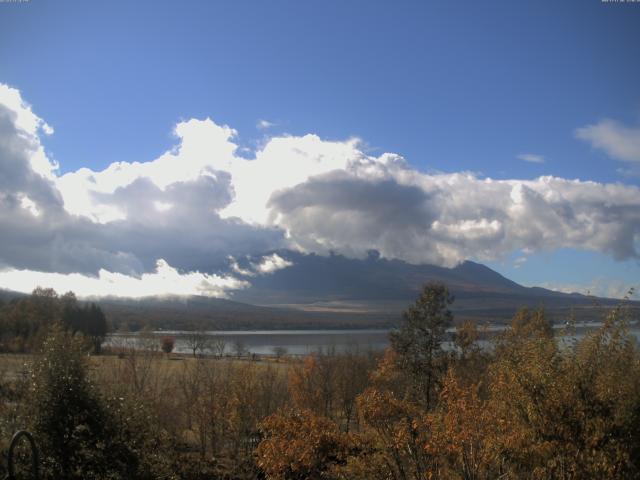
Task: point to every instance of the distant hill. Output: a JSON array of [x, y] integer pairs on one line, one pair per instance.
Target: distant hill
[[338, 292], [212, 313], [8, 295]]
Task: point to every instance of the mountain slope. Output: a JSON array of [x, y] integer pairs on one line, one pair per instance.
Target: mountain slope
[[313, 278]]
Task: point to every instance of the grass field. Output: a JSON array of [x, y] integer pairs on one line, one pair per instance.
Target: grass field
[[16, 366]]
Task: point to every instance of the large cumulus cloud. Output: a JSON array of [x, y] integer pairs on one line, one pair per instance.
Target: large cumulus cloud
[[444, 219], [34, 225], [201, 205], [122, 232]]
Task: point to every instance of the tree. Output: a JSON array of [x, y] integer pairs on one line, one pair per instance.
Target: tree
[[197, 341], [239, 347], [466, 339], [470, 360], [352, 378], [279, 351], [305, 386], [219, 345], [167, 344], [313, 383], [418, 342], [300, 445], [461, 428], [96, 326], [45, 304], [88, 320], [395, 434], [566, 412], [528, 323], [139, 353], [72, 424]]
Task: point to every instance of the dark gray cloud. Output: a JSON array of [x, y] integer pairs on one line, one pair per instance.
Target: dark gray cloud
[[181, 225], [352, 215]]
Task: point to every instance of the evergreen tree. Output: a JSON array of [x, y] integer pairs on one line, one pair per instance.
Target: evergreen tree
[[72, 425], [97, 326], [418, 342]]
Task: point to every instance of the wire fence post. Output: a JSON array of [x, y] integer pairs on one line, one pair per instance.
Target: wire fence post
[[34, 454]]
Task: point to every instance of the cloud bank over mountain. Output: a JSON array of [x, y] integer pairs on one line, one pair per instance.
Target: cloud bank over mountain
[[185, 212], [164, 280]]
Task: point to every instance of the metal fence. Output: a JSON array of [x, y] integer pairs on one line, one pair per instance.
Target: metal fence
[[11, 460]]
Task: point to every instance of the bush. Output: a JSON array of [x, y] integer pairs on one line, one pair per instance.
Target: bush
[[167, 344]]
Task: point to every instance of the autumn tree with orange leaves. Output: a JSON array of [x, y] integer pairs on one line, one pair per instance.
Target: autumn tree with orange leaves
[[529, 407]]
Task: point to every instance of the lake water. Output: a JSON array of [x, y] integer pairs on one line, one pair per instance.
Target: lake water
[[264, 342], [298, 342]]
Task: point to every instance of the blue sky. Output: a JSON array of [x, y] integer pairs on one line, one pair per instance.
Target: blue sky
[[450, 86]]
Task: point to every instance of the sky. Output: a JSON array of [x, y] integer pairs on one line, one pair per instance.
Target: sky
[[146, 147]]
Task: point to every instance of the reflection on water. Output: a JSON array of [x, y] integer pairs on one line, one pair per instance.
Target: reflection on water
[[303, 342]]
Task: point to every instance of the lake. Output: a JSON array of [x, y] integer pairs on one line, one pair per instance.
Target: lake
[[264, 342], [302, 342]]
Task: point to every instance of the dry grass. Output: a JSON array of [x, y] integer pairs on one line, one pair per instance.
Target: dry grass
[[13, 366]]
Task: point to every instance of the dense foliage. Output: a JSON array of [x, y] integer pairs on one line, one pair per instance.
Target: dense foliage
[[433, 406]]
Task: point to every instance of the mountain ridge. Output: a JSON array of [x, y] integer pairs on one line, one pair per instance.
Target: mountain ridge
[[338, 292], [314, 278]]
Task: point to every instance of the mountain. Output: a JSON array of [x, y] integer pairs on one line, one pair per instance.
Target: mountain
[[338, 292], [314, 278], [381, 289], [376, 282]]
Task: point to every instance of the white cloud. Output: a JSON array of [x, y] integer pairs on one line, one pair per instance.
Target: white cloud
[[530, 157], [165, 280], [25, 120], [162, 206], [616, 140], [271, 263], [518, 262], [29, 205], [235, 267], [27, 125], [598, 287], [266, 265], [283, 163], [264, 124], [47, 129], [204, 148]]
